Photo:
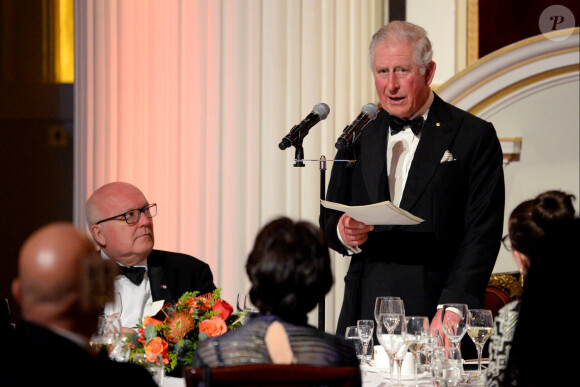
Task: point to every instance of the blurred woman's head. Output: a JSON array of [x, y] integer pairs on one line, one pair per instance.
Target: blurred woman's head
[[531, 220], [289, 267]]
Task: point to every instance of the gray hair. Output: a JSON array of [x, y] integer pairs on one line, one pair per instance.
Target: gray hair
[[404, 32]]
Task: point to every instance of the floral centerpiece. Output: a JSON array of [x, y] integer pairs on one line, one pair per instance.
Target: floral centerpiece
[[178, 328]]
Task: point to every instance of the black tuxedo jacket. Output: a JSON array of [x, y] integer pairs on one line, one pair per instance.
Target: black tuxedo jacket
[[172, 274], [36, 356], [450, 256]]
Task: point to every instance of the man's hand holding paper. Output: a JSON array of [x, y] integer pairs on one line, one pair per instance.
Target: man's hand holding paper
[[352, 232], [383, 213]]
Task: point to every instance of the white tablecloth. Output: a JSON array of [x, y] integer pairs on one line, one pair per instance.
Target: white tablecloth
[[170, 381]]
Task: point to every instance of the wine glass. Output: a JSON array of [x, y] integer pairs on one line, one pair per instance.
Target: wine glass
[[365, 332], [453, 322], [379, 309], [414, 339], [399, 358], [446, 366], [114, 308], [479, 327], [393, 339], [107, 335], [390, 310]]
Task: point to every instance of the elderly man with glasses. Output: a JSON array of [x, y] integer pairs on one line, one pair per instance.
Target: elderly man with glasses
[[120, 220]]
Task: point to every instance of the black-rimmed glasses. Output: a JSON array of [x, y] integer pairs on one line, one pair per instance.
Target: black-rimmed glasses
[[133, 216], [506, 242]]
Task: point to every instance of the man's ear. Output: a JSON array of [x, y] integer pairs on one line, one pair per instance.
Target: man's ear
[[17, 290], [430, 72], [98, 236]]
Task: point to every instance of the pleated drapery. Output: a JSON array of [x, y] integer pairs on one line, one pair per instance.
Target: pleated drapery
[[188, 100]]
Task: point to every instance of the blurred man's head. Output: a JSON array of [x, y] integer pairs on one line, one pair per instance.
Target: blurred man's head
[[62, 282], [120, 220]]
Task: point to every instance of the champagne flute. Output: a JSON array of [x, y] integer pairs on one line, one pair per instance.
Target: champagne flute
[[433, 339], [365, 332], [414, 339], [479, 327], [453, 322], [392, 340]]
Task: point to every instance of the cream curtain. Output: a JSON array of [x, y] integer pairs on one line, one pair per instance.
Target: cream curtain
[[189, 99]]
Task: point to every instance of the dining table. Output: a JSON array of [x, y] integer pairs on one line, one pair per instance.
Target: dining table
[[371, 377]]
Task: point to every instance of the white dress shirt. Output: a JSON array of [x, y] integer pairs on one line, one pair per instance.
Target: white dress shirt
[[134, 298], [400, 151]]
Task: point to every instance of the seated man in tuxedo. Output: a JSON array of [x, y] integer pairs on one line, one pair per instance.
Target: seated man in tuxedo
[[120, 220], [62, 287]]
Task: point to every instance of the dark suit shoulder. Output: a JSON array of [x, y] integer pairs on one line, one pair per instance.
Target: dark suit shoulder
[[439, 105], [162, 257], [183, 273]]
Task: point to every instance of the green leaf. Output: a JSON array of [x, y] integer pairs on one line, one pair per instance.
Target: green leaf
[[150, 332]]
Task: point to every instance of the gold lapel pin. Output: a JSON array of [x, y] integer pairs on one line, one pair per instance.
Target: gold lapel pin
[[438, 124]]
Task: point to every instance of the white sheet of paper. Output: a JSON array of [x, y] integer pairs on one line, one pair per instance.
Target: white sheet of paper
[[383, 213], [152, 308]]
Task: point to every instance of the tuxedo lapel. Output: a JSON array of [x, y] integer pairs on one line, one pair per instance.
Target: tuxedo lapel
[[437, 136], [159, 286], [373, 156]]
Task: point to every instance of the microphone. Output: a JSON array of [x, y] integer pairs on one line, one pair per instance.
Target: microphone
[[368, 113], [298, 132]]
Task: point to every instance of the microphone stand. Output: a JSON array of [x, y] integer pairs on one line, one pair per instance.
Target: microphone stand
[[299, 162]]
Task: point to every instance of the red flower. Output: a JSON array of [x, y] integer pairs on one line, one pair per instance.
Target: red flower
[[223, 308]]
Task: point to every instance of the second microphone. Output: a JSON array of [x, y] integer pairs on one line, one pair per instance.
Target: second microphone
[[351, 132]]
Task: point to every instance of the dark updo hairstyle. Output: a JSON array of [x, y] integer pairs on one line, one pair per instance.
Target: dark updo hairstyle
[[289, 267], [531, 220]]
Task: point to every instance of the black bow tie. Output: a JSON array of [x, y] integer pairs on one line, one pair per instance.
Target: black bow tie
[[397, 124], [134, 274]]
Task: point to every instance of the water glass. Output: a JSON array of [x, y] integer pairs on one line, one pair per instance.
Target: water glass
[[446, 367], [245, 304], [121, 351], [153, 362], [352, 336]]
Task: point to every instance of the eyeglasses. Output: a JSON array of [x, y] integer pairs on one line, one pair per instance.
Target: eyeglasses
[[133, 216], [507, 242]]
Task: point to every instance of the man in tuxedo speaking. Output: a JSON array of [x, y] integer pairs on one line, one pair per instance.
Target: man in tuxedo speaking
[[432, 159], [120, 220]]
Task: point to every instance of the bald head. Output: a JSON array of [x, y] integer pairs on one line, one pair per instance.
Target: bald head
[[128, 244], [53, 273]]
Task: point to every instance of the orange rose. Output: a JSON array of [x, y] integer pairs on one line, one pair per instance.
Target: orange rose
[[214, 326], [223, 308], [158, 345]]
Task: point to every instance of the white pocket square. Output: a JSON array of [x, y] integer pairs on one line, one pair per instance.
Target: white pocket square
[[447, 157]]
